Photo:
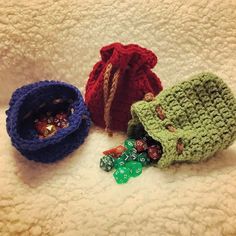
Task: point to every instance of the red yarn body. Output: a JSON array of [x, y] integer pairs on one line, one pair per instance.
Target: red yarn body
[[136, 79]]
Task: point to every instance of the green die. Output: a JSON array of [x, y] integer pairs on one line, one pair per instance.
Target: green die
[[143, 159], [129, 155], [122, 175], [133, 155], [107, 163], [135, 168], [125, 155], [129, 143], [133, 150], [119, 162]]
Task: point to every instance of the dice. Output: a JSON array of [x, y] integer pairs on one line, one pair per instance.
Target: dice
[[129, 155], [115, 152], [154, 152], [122, 175], [129, 160], [140, 145], [106, 163], [47, 124], [143, 159], [125, 155], [135, 168], [45, 130], [133, 155], [61, 120], [129, 143]]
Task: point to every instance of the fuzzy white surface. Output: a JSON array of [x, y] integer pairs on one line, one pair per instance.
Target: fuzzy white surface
[[61, 40]]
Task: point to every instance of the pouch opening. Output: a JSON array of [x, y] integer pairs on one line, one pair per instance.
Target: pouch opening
[[45, 112]]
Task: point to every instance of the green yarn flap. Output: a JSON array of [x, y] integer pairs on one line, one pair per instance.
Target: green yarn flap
[[202, 111]]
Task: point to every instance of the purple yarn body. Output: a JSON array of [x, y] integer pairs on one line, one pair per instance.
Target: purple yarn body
[[28, 99]]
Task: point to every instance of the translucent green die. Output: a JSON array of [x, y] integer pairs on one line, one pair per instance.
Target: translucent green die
[[135, 168], [119, 162], [143, 159], [122, 175], [129, 143]]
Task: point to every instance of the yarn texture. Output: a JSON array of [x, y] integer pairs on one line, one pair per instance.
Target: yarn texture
[[192, 120], [26, 100], [122, 77]]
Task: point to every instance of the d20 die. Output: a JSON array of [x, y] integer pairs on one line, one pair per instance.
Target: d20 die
[[122, 175], [135, 168]]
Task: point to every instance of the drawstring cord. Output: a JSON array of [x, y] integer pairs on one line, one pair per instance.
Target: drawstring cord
[[109, 94]]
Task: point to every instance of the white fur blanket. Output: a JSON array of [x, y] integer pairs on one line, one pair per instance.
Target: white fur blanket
[[46, 39]]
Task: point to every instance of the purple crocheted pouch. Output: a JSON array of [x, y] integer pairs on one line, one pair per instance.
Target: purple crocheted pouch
[[31, 100]]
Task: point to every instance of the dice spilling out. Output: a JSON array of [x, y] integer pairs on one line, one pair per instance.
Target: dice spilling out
[[129, 160], [48, 124]]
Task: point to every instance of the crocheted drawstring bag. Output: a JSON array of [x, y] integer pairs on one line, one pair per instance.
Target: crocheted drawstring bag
[[122, 77], [47, 120], [192, 120]]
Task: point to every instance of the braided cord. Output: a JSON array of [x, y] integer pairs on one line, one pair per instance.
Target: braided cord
[[109, 95]]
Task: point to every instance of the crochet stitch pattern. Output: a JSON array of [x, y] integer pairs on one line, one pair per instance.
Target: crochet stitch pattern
[[27, 100], [192, 120], [122, 77]]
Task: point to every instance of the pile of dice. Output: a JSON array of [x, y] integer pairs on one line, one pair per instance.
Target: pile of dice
[[129, 160], [48, 124]]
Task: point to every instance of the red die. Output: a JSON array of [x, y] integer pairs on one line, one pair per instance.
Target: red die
[[61, 115], [45, 130], [140, 145], [60, 120], [40, 126], [115, 152], [154, 152]]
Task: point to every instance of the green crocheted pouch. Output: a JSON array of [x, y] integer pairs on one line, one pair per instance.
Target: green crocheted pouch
[[191, 120]]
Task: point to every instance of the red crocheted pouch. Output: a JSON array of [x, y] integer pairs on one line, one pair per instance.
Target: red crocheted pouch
[[122, 77]]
